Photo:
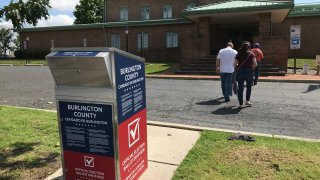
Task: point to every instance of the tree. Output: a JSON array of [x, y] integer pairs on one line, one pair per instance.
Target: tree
[[16, 43], [25, 11], [6, 40], [89, 11]]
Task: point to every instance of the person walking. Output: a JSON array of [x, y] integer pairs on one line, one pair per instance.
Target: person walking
[[245, 65], [259, 56], [225, 66]]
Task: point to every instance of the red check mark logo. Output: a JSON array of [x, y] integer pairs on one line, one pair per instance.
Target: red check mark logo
[[88, 161], [134, 132], [133, 128]]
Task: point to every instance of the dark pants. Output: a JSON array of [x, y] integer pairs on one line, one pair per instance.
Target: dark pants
[[257, 73], [226, 85], [244, 75]]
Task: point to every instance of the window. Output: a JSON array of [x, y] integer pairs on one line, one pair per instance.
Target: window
[[115, 40], [172, 39], [145, 13], [167, 12], [191, 5], [124, 14], [144, 37]]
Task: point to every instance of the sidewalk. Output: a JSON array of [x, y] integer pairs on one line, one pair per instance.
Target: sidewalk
[[290, 78], [167, 147]]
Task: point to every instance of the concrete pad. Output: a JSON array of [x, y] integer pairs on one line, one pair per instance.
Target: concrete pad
[[33, 64], [158, 171], [169, 145], [55, 176], [155, 171]]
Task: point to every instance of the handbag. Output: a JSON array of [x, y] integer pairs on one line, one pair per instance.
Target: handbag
[[235, 87]]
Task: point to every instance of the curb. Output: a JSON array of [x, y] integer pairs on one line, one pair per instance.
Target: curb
[[33, 64], [183, 77], [290, 80], [216, 78], [24, 65], [199, 128], [199, 77], [46, 110]]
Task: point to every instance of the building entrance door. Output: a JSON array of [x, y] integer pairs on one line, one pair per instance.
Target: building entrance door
[[236, 34], [239, 35]]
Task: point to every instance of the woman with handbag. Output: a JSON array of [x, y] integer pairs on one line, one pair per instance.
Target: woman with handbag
[[245, 65]]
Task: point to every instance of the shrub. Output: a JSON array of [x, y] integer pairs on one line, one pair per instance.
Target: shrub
[[30, 54], [19, 54]]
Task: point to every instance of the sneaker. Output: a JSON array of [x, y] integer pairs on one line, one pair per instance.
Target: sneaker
[[248, 103], [240, 106]]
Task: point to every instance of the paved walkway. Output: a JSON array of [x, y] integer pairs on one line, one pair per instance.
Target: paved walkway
[[167, 147]]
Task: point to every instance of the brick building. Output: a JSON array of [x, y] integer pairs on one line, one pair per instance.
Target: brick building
[[184, 30]]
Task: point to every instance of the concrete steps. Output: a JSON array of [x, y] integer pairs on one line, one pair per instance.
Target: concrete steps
[[207, 66]]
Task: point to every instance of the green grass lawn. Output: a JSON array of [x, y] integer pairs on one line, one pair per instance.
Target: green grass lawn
[[301, 62], [21, 62], [215, 157], [155, 68], [29, 146], [151, 68]]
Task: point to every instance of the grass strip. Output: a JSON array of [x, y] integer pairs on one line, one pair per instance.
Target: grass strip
[[301, 62], [215, 157], [29, 146], [154, 68], [151, 68], [22, 62]]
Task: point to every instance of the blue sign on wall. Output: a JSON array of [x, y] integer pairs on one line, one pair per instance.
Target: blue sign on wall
[[130, 85], [295, 36], [87, 128], [77, 53], [295, 40]]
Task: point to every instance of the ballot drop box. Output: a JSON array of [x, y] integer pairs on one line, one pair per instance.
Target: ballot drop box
[[101, 103]]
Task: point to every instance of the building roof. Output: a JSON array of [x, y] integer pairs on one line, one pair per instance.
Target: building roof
[[238, 5], [110, 24], [229, 10], [218, 10], [305, 9]]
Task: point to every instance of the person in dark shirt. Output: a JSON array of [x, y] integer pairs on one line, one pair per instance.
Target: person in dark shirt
[[245, 65]]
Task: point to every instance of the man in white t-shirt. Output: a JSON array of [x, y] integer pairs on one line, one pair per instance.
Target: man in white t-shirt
[[225, 66]]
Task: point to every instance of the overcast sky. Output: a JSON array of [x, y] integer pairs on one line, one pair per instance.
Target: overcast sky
[[61, 12]]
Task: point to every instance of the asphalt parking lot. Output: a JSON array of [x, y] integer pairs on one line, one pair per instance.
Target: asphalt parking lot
[[290, 109]]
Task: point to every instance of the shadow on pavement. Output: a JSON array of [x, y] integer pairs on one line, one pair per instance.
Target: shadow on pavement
[[216, 101], [227, 110], [312, 88]]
